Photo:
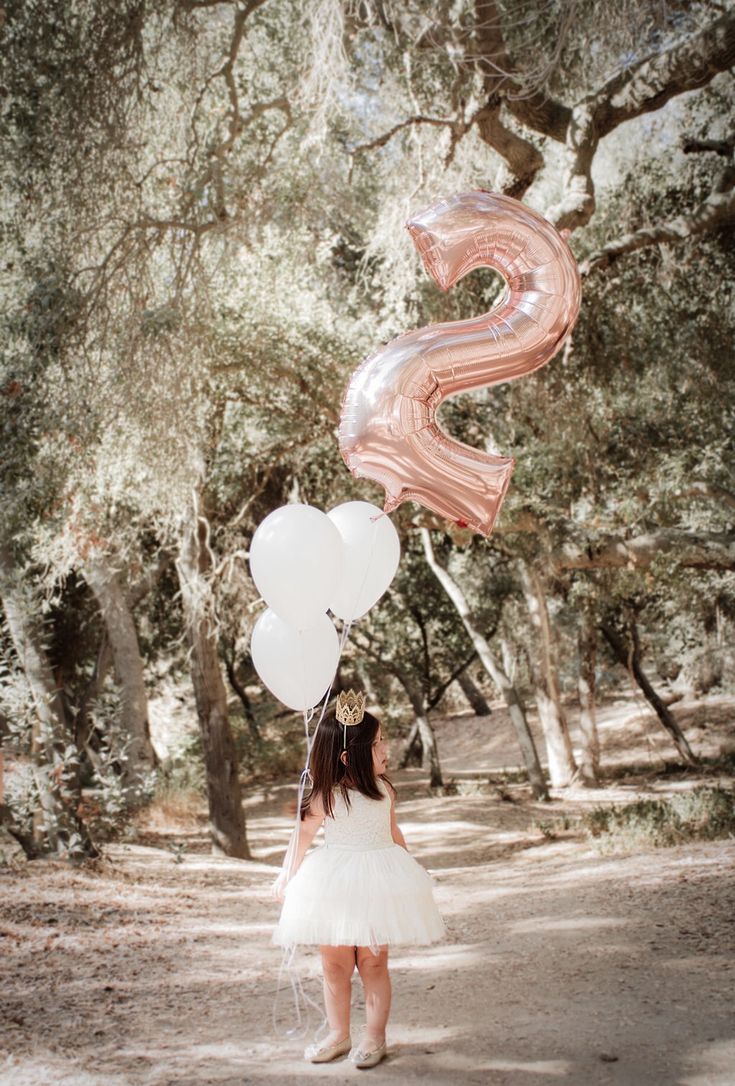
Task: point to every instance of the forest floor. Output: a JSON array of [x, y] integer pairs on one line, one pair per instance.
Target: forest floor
[[153, 966]]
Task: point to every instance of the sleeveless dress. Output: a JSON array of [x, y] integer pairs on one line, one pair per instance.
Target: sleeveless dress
[[359, 888]]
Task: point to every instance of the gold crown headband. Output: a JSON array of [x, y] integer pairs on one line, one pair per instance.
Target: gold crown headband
[[350, 707]]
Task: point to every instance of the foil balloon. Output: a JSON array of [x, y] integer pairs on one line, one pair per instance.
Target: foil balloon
[[388, 430]]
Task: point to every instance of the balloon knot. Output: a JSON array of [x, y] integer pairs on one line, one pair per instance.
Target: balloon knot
[[462, 524]]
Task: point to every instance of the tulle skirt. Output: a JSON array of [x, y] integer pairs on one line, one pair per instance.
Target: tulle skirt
[[366, 897]]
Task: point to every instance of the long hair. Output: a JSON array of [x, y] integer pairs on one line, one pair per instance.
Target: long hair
[[329, 772]]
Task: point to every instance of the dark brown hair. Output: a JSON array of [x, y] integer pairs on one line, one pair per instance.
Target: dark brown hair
[[328, 771]]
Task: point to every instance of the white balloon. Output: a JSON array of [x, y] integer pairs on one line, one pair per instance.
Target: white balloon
[[372, 552], [295, 560], [297, 666]]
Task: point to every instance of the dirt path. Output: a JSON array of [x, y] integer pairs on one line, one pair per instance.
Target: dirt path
[[561, 964]]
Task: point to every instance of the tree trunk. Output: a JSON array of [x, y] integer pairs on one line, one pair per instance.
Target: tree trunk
[[424, 730], [586, 685], [411, 741], [57, 826], [83, 733], [629, 657], [475, 697], [494, 670], [226, 817], [429, 751], [562, 767], [123, 641]]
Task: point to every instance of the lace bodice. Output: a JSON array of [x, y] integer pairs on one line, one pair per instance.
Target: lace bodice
[[365, 824]]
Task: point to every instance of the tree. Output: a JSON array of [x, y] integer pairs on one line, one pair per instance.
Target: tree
[[138, 168], [415, 637], [494, 669], [202, 241]]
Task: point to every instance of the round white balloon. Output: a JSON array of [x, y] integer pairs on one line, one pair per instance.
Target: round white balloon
[[372, 552], [297, 666], [296, 560]]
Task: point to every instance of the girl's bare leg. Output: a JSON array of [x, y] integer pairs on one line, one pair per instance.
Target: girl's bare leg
[[373, 969], [338, 964]]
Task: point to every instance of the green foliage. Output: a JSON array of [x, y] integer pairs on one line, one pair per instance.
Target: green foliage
[[110, 799], [550, 828], [183, 770], [278, 754], [702, 814], [188, 284], [22, 796]]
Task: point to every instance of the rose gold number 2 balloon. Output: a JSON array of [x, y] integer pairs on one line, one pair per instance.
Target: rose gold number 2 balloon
[[388, 430]]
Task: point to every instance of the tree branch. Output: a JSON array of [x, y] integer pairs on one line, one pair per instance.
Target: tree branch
[[443, 687], [414, 692], [523, 160], [535, 110], [688, 65], [720, 147], [419, 118], [693, 550], [717, 211]]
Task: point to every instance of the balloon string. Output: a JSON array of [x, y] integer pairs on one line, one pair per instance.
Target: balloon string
[[306, 777], [300, 999]]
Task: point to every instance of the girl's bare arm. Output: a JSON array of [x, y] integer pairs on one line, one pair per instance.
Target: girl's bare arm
[[308, 828], [396, 834]]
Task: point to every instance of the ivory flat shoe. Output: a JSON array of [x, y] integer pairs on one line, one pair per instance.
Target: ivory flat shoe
[[317, 1053], [364, 1059]]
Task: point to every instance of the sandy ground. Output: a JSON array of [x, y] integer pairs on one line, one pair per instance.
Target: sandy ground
[[561, 963]]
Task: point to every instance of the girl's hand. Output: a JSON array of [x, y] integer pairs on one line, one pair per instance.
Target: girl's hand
[[278, 889]]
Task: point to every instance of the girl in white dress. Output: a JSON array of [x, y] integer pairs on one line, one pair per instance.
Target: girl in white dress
[[360, 892]]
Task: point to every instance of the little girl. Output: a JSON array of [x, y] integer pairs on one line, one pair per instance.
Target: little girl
[[361, 892]]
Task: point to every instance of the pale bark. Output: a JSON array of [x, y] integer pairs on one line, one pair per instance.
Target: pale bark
[[422, 733], [586, 686], [509, 657], [493, 668], [194, 563], [56, 822], [562, 767], [104, 581], [105, 659], [430, 751]]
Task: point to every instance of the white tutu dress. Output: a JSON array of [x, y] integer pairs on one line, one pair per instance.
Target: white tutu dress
[[359, 888]]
